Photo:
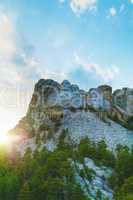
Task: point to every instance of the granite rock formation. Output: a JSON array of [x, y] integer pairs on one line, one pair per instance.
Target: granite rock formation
[[54, 98], [100, 111]]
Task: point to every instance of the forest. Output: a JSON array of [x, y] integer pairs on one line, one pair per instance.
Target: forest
[[45, 175]]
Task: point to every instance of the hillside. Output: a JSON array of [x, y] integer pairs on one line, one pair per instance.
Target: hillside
[[92, 130], [97, 113]]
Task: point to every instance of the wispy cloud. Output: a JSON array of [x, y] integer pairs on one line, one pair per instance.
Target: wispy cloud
[[131, 1], [18, 65], [106, 74], [7, 36], [7, 49], [80, 6], [112, 12], [17, 60]]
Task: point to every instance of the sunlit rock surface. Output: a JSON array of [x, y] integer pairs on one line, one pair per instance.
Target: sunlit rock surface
[[97, 113], [81, 124], [98, 182], [50, 94]]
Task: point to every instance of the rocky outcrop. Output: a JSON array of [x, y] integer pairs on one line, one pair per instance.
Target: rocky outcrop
[[97, 114], [123, 107], [51, 101], [89, 114]]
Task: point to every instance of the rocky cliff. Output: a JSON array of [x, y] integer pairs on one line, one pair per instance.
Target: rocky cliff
[[51, 100], [98, 113]]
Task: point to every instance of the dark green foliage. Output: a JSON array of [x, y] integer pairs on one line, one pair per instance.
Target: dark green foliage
[[99, 195], [43, 175], [25, 193], [98, 152], [87, 173], [49, 175], [122, 178], [125, 192], [122, 165]]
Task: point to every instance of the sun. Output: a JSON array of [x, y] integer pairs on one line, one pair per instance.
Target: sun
[[8, 119], [4, 139]]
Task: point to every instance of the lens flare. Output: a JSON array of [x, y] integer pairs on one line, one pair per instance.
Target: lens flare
[[4, 139]]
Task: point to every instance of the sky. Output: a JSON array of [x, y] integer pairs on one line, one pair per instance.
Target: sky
[[88, 42]]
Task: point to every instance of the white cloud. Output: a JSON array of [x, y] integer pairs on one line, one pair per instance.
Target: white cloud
[[7, 43], [19, 68], [112, 12], [131, 1], [17, 61], [8, 71], [105, 73], [79, 6]]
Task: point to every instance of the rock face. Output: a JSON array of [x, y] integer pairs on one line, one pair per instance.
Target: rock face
[[123, 106], [97, 114], [82, 124], [49, 94], [52, 101]]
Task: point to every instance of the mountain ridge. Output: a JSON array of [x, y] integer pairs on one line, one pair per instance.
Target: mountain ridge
[[98, 114], [84, 128]]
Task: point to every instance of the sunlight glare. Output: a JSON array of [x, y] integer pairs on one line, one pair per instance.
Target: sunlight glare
[[4, 138], [8, 120]]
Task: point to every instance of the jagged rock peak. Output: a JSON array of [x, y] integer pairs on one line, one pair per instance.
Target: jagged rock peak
[[66, 83], [46, 82], [63, 105], [118, 105]]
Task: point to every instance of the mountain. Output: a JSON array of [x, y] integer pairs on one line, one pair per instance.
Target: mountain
[[98, 113], [92, 129]]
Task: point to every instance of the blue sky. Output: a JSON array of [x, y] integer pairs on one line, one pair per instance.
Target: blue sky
[[88, 42], [54, 32]]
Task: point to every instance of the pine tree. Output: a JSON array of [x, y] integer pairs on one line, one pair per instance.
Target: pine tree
[[25, 193]]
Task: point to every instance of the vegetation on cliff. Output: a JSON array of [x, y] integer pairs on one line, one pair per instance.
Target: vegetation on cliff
[[51, 175]]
